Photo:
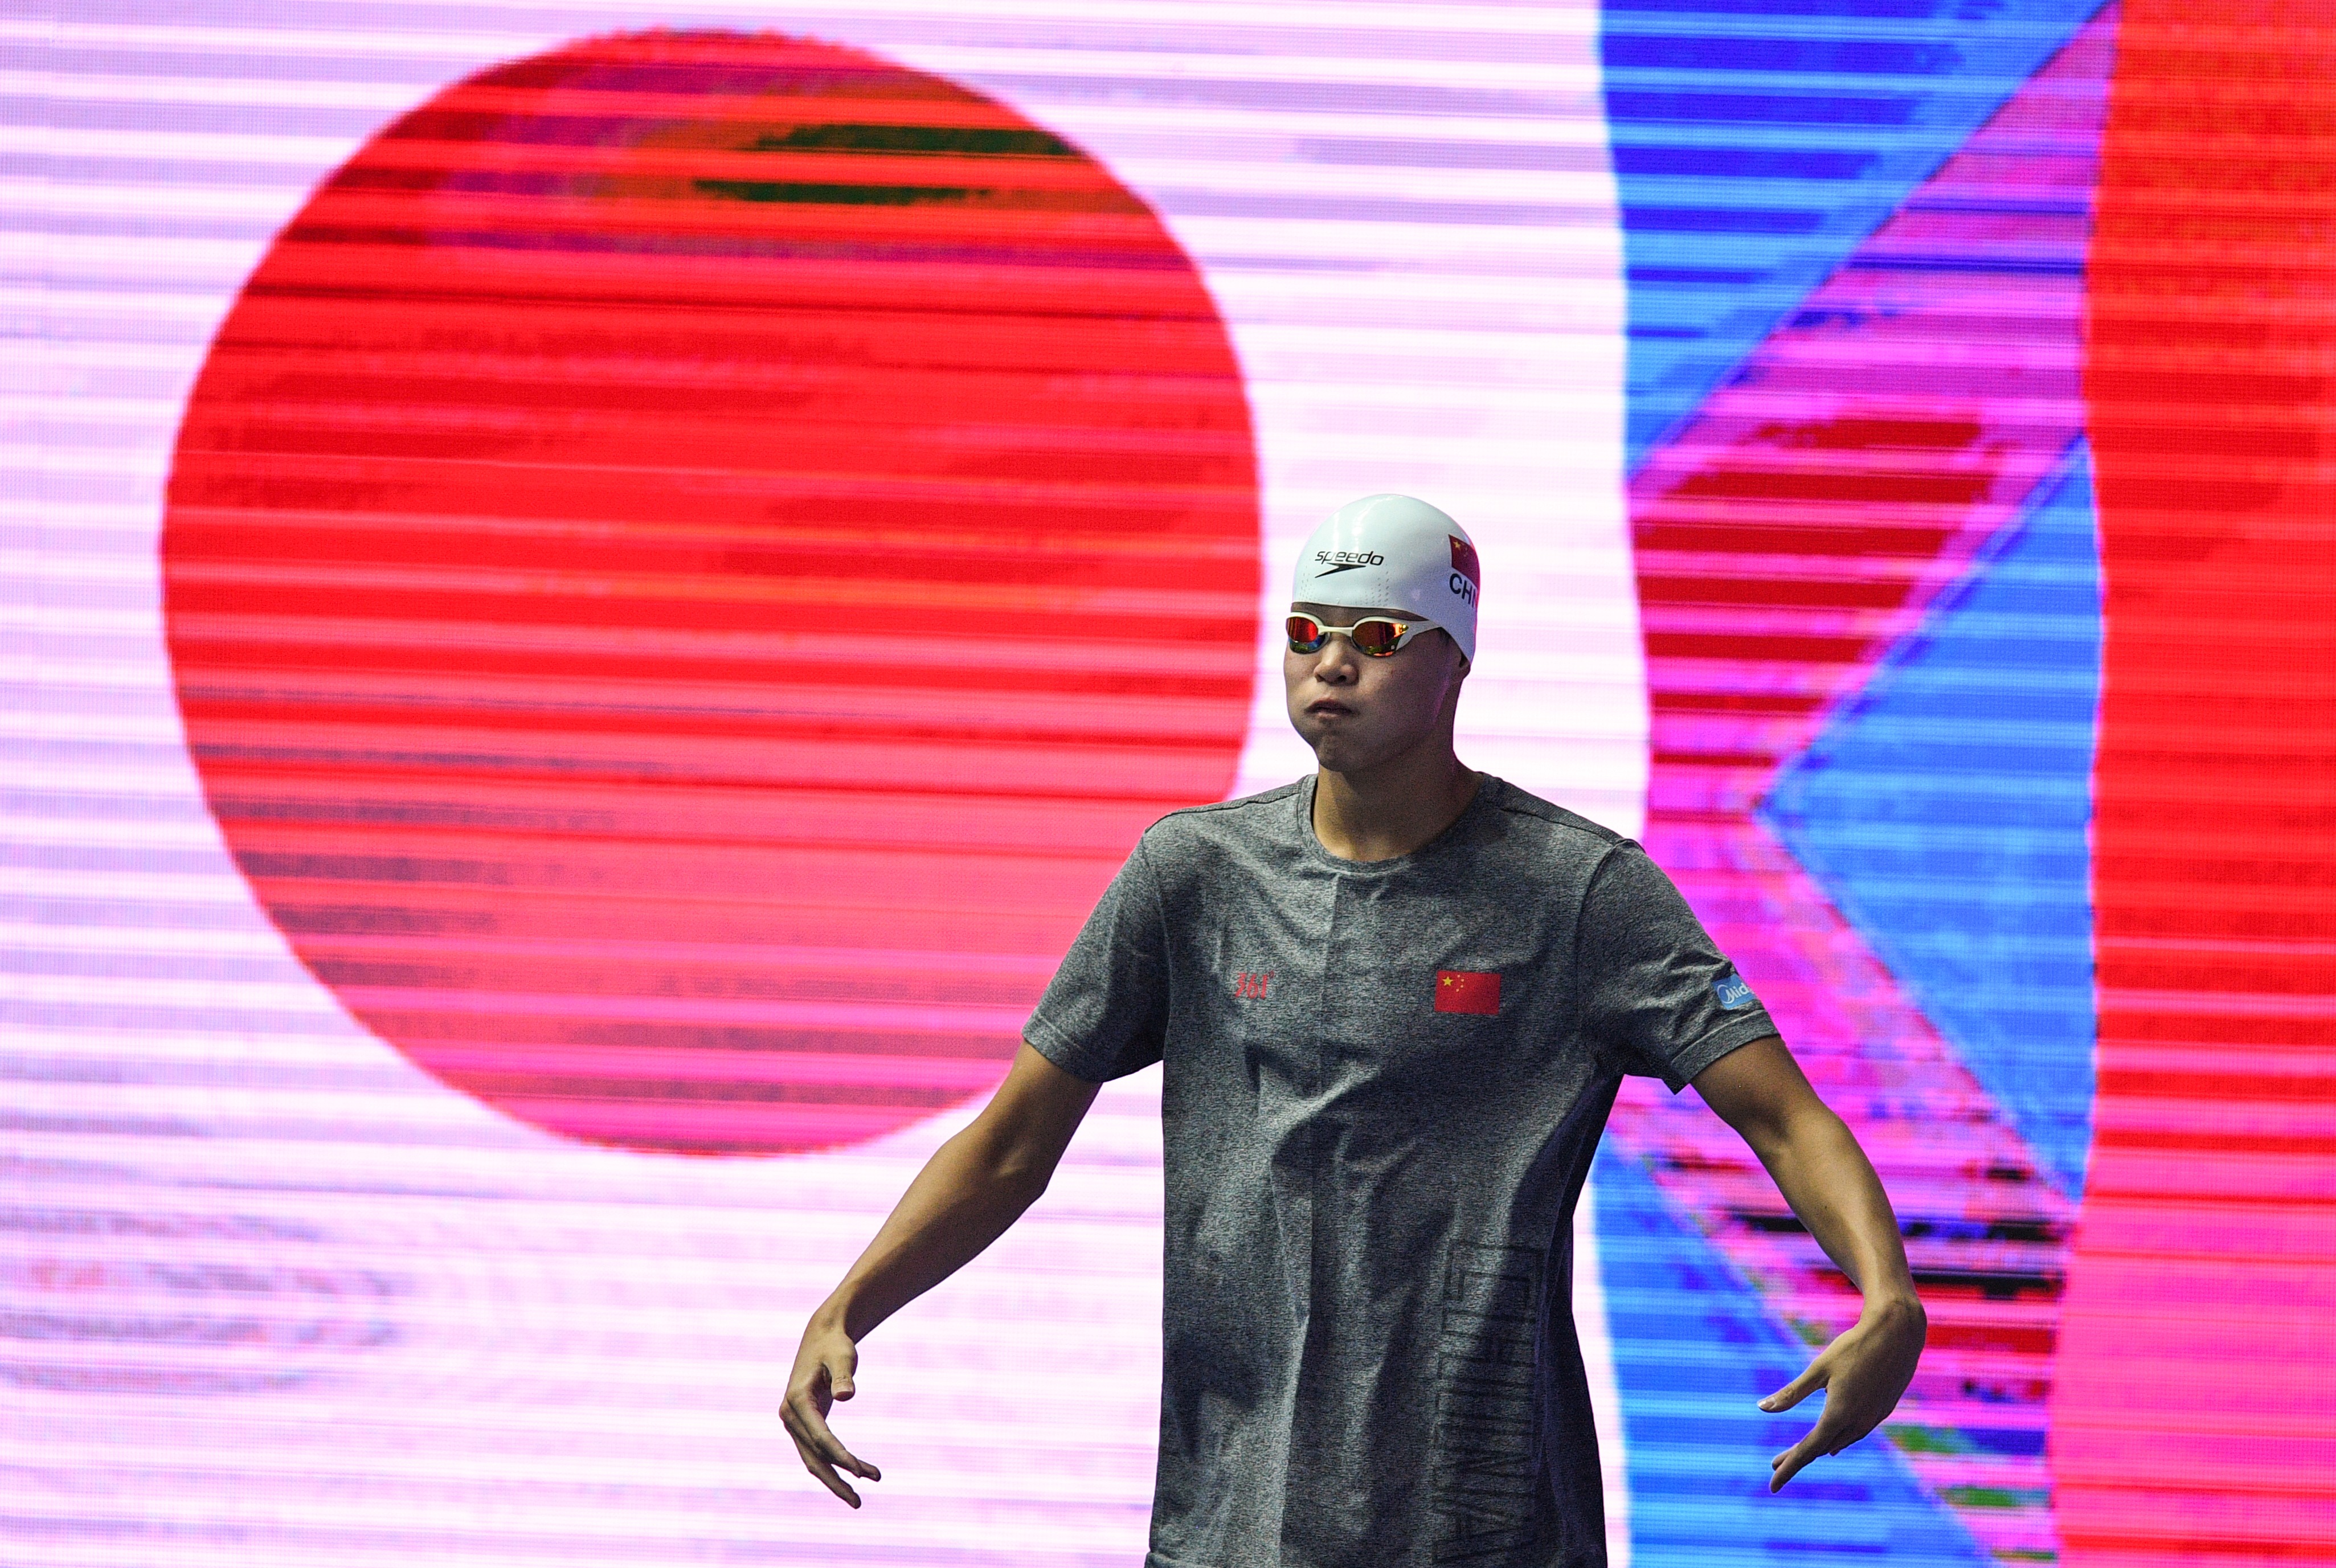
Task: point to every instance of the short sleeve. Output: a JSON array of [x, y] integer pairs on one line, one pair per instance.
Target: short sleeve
[[1106, 1013], [1659, 996]]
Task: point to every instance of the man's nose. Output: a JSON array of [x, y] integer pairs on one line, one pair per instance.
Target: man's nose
[[1334, 662]]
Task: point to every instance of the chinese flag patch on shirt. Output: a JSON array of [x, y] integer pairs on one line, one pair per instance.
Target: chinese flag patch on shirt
[[1467, 991]]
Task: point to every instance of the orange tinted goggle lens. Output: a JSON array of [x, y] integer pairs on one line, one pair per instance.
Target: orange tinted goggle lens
[[1376, 637]]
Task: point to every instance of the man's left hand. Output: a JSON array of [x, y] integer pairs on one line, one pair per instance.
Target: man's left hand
[[1761, 1092], [1863, 1373]]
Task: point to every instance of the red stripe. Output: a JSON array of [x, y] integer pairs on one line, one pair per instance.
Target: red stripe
[[2195, 1414]]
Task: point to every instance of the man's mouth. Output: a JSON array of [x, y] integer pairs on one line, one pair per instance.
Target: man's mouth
[[1327, 706]]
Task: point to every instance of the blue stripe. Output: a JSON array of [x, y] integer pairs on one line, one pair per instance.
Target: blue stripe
[[1754, 145], [1694, 1350]]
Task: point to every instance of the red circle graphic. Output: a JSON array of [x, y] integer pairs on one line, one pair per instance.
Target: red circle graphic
[[688, 565]]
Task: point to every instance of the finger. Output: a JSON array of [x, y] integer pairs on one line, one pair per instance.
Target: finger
[[1811, 1379], [824, 1474], [1825, 1437], [814, 1436], [1850, 1414], [814, 1461], [1830, 1435], [1851, 1432], [832, 1372], [823, 1442], [1788, 1463]]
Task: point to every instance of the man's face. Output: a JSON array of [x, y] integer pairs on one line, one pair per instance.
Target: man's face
[[1357, 711]]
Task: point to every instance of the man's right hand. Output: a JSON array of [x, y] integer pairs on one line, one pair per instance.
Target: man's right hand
[[825, 1363], [974, 1185]]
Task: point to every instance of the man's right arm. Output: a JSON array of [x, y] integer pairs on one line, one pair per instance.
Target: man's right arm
[[975, 1186]]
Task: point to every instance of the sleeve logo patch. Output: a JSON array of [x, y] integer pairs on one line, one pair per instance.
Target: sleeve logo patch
[[1467, 991], [1732, 993]]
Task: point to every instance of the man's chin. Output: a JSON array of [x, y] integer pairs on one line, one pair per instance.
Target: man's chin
[[1337, 753]]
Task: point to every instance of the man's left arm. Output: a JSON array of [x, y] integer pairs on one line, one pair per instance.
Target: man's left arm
[[1759, 1090]]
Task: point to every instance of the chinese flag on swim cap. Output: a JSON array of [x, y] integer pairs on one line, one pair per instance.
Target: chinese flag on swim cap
[[1467, 991], [1464, 560]]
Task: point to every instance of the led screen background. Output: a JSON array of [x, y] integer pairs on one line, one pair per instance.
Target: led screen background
[[498, 905]]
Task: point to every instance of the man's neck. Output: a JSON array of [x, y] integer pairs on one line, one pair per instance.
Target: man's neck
[[1388, 810]]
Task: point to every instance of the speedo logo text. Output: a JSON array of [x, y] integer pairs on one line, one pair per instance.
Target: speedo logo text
[[1331, 562]]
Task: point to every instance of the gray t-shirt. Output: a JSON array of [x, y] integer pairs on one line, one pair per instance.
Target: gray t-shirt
[[1382, 1085]]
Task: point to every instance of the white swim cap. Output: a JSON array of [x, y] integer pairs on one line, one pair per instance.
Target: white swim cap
[[1392, 553]]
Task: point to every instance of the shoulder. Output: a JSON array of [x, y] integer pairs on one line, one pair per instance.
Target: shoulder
[[1551, 829], [1248, 821], [1265, 814], [1610, 879]]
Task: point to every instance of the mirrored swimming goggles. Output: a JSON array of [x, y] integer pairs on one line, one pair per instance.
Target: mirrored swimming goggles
[[1373, 636]]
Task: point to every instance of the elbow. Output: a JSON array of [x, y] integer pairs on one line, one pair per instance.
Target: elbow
[[1025, 1178], [1019, 1190], [1796, 1136], [1773, 1138], [1811, 1124], [1017, 1173], [1013, 1155]]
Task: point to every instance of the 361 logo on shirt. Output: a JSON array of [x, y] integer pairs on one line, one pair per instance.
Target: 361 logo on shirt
[[1467, 991], [1250, 983]]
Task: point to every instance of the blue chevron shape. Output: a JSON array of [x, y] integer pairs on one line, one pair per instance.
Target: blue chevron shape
[[1947, 812]]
